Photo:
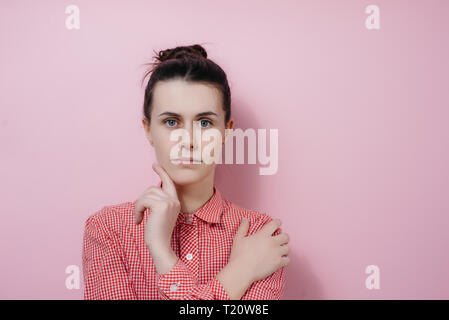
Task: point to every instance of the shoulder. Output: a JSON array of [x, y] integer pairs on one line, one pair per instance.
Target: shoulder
[[112, 218], [234, 213]]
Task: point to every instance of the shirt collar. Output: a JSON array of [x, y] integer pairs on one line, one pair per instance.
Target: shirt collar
[[212, 209]]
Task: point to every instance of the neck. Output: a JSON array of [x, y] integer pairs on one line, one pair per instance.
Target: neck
[[193, 196]]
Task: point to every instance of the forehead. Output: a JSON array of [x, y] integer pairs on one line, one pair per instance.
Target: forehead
[[186, 98]]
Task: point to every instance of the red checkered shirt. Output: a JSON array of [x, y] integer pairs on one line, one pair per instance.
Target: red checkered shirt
[[118, 265]]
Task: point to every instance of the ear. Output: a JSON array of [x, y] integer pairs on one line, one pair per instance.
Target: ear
[[146, 126], [229, 126]]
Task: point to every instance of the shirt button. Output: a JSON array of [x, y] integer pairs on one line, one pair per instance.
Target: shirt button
[[189, 219], [173, 287], [189, 256]]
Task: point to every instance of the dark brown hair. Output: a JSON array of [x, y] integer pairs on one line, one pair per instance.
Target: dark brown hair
[[189, 63]]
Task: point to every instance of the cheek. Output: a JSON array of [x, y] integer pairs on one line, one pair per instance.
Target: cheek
[[164, 149], [213, 144], [161, 140], [213, 137]]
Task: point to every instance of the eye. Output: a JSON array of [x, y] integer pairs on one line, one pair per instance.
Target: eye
[[207, 121], [170, 122]]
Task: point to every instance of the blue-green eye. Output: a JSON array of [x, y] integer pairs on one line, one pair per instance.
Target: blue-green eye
[[207, 121], [171, 121]]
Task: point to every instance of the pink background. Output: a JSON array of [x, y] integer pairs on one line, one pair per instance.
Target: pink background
[[362, 117]]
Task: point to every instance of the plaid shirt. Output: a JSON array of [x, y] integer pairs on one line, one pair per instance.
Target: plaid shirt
[[118, 265]]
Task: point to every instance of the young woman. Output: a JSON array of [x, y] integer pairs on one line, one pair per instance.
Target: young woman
[[182, 239]]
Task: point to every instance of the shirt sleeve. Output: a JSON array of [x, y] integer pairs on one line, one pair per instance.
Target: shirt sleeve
[[104, 267], [272, 287], [181, 284]]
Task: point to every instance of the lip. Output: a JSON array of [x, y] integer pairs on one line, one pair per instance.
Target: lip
[[188, 160]]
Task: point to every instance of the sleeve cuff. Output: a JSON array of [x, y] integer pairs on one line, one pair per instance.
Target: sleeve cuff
[[218, 291], [176, 283], [180, 283]]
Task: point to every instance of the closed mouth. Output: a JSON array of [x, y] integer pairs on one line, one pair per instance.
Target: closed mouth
[[187, 160]]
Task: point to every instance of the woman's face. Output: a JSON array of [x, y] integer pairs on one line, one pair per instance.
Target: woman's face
[[194, 107]]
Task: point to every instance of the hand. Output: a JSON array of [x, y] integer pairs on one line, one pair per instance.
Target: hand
[[164, 209], [260, 254]]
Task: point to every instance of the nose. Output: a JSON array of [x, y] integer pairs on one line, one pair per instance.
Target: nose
[[194, 130]]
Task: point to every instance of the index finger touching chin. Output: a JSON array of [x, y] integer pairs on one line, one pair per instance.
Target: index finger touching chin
[[167, 183]]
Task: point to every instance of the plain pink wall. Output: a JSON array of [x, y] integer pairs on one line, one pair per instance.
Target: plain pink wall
[[362, 117]]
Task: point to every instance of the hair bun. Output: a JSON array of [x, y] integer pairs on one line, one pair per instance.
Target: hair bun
[[194, 51]]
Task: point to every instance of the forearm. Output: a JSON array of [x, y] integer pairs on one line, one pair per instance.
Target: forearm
[[234, 281], [164, 259], [232, 277]]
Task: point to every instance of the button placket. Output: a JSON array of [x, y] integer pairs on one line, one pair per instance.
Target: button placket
[[189, 244], [174, 287]]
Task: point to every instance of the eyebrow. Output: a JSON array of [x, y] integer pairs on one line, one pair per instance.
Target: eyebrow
[[202, 114]]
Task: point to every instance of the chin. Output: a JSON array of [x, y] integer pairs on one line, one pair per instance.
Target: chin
[[186, 176]]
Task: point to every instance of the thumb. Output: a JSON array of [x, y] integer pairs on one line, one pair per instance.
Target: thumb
[[242, 231]]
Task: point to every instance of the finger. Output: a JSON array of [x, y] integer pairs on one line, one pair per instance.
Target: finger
[[139, 211], [282, 238], [154, 197], [167, 183], [271, 226], [141, 205], [156, 191], [242, 231]]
